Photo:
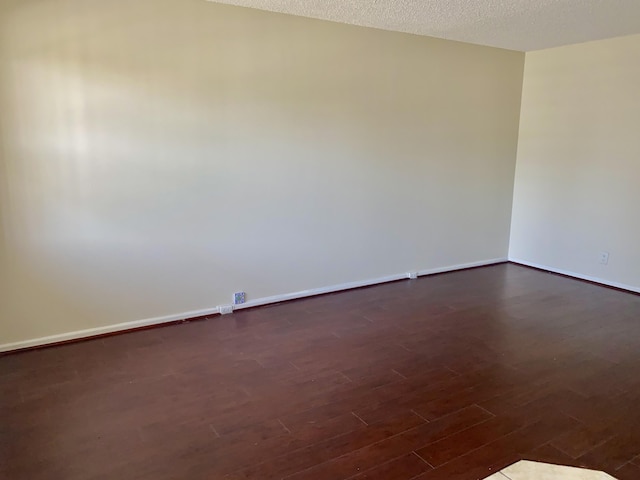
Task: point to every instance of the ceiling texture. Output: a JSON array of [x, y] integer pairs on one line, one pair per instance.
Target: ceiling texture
[[523, 25]]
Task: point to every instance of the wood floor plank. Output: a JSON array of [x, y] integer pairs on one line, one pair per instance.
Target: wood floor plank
[[368, 457], [451, 376], [402, 468]]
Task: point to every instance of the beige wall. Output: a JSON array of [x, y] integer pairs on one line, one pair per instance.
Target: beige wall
[[577, 189], [158, 155]]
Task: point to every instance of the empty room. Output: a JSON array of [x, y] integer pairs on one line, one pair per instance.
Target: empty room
[[319, 239]]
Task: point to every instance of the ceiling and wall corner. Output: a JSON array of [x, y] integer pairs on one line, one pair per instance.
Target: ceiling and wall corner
[[575, 192], [522, 25], [151, 149]]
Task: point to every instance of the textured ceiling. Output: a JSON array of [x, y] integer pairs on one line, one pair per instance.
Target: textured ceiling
[[514, 24]]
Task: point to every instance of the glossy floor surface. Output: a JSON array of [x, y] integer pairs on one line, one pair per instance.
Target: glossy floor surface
[[452, 376]]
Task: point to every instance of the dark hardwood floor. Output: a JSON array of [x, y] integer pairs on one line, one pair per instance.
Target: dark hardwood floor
[[450, 377]]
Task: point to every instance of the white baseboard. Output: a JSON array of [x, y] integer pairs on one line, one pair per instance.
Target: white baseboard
[[453, 268], [320, 291], [92, 332], [576, 275], [363, 283], [119, 327]]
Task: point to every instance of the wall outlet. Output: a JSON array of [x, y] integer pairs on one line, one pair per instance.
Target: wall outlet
[[226, 309], [413, 275], [604, 258], [239, 298]]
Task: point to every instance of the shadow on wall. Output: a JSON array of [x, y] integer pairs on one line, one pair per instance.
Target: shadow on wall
[[161, 154]]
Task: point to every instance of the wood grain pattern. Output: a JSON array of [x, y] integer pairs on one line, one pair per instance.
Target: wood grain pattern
[[453, 376]]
